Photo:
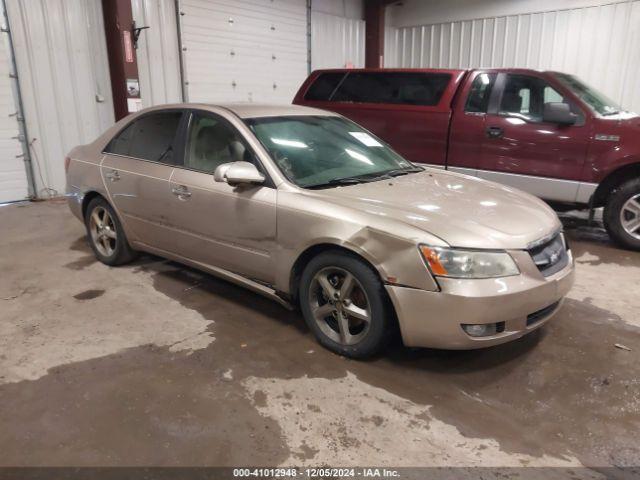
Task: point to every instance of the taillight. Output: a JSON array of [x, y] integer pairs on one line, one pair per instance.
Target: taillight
[[67, 161]]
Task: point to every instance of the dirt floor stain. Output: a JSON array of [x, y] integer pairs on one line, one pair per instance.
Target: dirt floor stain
[[89, 294]]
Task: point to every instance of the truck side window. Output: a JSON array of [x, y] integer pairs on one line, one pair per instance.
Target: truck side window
[[397, 88], [324, 86], [524, 96], [478, 99]]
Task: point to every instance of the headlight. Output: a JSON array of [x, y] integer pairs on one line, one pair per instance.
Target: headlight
[[457, 263]]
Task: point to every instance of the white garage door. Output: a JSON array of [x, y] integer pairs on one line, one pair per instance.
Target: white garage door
[[13, 175], [61, 56], [244, 50]]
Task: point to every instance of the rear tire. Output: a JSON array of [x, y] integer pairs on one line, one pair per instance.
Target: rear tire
[[106, 235], [345, 305], [622, 214]]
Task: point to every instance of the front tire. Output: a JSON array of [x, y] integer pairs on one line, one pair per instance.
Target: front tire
[[622, 214], [106, 235], [345, 305]]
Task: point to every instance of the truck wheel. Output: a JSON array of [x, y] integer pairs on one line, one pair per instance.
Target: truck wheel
[[345, 305], [622, 214]]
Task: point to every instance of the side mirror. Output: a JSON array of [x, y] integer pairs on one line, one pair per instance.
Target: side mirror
[[558, 113], [237, 173]]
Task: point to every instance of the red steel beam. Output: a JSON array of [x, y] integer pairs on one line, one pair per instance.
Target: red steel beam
[[123, 65]]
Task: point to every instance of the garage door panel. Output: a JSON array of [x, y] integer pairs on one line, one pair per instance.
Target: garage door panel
[[13, 175], [249, 50]]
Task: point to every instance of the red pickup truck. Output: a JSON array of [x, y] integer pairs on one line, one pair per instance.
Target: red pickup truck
[[547, 133]]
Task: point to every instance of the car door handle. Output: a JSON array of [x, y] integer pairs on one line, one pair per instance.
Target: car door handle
[[113, 175], [181, 192], [494, 132]]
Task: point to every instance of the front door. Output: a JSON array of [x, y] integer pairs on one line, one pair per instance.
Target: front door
[[233, 228], [522, 150], [136, 170], [468, 124]]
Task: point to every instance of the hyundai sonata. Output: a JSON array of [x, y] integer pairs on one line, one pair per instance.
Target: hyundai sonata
[[311, 210]]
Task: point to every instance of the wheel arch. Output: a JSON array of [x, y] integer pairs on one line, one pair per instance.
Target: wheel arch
[[86, 199], [614, 180], [313, 251]]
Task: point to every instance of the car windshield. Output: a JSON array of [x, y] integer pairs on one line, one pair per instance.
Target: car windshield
[[325, 151], [598, 102]]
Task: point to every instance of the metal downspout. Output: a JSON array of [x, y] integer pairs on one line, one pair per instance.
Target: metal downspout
[[309, 36], [183, 81]]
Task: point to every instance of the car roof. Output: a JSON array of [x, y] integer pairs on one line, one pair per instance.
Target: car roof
[[249, 109], [255, 110]]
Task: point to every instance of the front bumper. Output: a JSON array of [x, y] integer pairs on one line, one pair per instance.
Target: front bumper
[[434, 319]]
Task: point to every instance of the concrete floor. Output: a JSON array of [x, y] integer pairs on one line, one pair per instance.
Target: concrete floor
[[158, 364]]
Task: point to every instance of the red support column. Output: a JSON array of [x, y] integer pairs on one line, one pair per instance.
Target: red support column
[[123, 66], [374, 33]]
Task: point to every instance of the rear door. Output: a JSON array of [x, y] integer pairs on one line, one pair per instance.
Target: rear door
[[136, 169], [410, 110], [520, 149], [219, 225]]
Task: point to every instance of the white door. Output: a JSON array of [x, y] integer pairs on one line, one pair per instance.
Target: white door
[[13, 175], [244, 50], [63, 72]]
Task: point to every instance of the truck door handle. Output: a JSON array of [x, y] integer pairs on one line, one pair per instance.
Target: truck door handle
[[494, 132], [181, 192], [113, 175]]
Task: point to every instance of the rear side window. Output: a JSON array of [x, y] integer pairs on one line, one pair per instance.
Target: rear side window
[[149, 138], [398, 88], [478, 99], [324, 86]]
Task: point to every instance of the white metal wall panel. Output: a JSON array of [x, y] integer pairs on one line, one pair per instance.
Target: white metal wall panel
[[336, 42], [244, 50], [64, 76], [158, 52], [13, 175], [598, 43]]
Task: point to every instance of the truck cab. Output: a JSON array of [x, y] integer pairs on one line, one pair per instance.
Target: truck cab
[[547, 133]]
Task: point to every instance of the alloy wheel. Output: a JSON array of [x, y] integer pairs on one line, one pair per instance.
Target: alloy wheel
[[339, 305], [630, 216], [103, 231]]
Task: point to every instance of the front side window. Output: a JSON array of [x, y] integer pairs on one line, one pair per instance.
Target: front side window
[[595, 100], [525, 96], [399, 88], [151, 137], [478, 99], [318, 151], [212, 141]]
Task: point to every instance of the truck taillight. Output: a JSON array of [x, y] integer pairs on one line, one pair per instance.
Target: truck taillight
[[67, 161]]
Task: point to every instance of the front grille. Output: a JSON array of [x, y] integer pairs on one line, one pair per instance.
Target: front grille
[[551, 255], [542, 313]]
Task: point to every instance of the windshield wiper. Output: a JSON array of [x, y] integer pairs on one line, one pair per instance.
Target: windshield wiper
[[337, 182], [404, 171]]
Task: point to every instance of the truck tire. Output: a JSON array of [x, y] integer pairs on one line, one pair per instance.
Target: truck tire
[[622, 214]]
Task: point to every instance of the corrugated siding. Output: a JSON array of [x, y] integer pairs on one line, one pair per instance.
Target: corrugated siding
[[244, 50], [63, 70], [13, 175], [336, 42], [600, 44], [158, 52]]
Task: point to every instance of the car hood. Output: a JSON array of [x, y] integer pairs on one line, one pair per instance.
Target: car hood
[[463, 211]]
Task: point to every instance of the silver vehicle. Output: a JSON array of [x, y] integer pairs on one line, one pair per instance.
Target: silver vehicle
[[309, 209]]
